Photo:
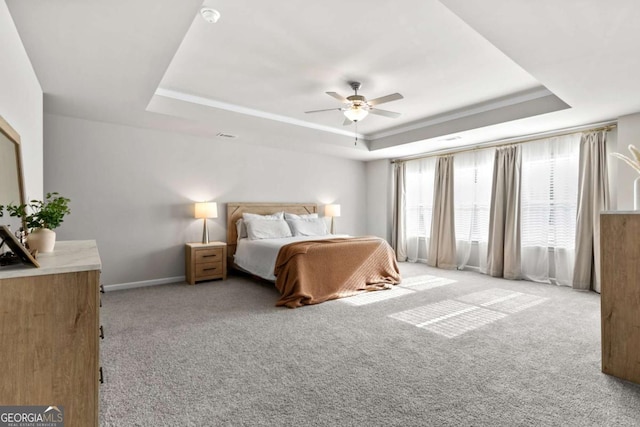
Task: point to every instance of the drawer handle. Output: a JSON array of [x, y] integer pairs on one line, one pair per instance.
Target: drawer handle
[[101, 332], [101, 376], [209, 269], [209, 256], [100, 301], [102, 289]]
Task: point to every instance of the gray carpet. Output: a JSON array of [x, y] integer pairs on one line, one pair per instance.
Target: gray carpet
[[221, 354]]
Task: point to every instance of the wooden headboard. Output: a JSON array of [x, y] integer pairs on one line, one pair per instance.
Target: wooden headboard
[[235, 211]]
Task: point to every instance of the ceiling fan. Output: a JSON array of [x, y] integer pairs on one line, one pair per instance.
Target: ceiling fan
[[357, 107]]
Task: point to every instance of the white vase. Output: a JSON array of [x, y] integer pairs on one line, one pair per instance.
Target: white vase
[[42, 239], [636, 194]]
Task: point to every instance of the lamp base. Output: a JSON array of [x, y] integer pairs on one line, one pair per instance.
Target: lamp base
[[205, 233]]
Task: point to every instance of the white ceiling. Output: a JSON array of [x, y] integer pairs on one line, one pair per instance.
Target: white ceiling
[[474, 71]]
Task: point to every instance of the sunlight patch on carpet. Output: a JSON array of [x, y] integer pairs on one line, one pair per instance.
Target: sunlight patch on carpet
[[518, 303], [488, 297], [451, 318], [503, 300], [464, 322], [421, 283], [375, 296], [432, 313]]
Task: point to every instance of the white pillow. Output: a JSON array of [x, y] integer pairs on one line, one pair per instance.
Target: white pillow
[[241, 225], [249, 216], [267, 229], [288, 215], [308, 227]]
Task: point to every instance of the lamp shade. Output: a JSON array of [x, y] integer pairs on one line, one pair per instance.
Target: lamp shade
[[356, 113], [332, 210], [206, 210]]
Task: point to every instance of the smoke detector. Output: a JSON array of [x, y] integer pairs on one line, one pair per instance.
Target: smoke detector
[[209, 14]]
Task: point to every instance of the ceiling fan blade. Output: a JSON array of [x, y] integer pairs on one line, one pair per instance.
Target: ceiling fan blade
[[391, 114], [327, 109], [338, 97], [346, 122], [387, 98]]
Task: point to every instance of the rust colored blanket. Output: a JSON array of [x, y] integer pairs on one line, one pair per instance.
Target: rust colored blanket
[[311, 272]]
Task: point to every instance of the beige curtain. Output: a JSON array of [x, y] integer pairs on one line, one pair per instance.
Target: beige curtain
[[503, 249], [593, 197], [442, 246], [399, 234]]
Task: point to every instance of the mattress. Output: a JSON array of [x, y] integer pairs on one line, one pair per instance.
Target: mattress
[[258, 257]]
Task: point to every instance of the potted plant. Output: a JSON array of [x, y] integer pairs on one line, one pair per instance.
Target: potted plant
[[42, 219]]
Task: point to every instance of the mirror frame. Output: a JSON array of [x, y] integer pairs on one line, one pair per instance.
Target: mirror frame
[[13, 136]]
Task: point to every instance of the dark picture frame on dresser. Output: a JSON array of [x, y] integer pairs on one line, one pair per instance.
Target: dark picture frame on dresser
[[7, 238]]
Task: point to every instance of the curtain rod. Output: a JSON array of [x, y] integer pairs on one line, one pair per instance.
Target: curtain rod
[[606, 126]]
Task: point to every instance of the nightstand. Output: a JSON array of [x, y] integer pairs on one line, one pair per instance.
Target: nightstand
[[205, 261]]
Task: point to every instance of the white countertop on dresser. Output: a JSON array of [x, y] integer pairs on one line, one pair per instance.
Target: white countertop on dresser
[[67, 257], [620, 212]]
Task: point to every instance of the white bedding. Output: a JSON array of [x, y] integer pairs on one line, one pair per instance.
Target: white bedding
[[259, 256]]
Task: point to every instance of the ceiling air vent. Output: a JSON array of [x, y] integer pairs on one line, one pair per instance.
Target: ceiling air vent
[[226, 135], [451, 138]]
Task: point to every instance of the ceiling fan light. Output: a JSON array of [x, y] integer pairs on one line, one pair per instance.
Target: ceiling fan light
[[356, 113]]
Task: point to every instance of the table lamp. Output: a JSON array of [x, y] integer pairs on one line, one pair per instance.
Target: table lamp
[[332, 211], [206, 210]]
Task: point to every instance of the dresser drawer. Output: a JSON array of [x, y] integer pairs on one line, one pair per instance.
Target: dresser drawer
[[208, 255], [208, 269]]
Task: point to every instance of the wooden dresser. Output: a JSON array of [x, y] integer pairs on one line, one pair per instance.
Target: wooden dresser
[[50, 332], [620, 294]]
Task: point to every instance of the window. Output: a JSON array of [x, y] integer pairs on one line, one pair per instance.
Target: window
[[419, 197], [419, 206], [549, 197], [473, 175], [549, 192]]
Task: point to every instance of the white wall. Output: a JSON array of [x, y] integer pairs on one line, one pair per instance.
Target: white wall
[[133, 189], [21, 102]]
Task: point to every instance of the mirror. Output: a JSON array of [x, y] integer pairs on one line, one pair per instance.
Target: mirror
[[11, 180]]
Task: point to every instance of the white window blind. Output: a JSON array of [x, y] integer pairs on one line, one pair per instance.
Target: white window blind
[[550, 192]]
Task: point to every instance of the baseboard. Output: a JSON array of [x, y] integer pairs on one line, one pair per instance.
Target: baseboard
[[154, 282]]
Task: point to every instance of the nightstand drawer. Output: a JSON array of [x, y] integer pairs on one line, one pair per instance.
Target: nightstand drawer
[[209, 269], [208, 255]]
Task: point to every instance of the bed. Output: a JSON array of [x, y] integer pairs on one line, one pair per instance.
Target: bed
[[310, 269]]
